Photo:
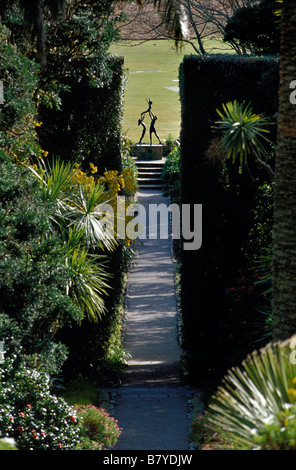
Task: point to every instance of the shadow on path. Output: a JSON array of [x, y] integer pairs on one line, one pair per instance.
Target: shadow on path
[[151, 405]]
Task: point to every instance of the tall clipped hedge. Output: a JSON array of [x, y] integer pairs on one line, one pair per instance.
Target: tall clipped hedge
[[206, 83], [87, 127]]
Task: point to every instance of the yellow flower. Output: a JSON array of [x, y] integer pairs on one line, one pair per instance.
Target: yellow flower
[[94, 169]]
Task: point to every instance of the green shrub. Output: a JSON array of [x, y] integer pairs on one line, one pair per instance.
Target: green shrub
[[31, 415], [101, 430], [19, 76], [279, 431], [171, 174]]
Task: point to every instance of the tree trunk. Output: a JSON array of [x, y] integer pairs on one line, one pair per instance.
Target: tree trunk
[[284, 230]]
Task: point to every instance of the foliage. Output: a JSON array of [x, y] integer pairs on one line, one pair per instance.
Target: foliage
[[33, 271], [279, 432], [242, 134], [211, 439], [127, 161], [258, 393], [55, 266], [18, 121], [80, 392], [229, 200], [242, 131], [171, 174], [264, 35], [87, 127], [31, 415], [100, 429]]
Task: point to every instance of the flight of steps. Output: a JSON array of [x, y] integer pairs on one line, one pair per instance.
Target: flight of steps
[[149, 172]]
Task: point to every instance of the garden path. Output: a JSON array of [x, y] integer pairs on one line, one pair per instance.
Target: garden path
[[151, 405]]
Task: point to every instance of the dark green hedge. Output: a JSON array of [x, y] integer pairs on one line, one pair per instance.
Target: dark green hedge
[[87, 128], [206, 83]]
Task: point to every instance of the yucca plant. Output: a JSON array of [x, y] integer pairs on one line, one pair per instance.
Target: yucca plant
[[87, 214], [89, 276], [254, 395], [74, 204], [75, 215], [243, 134], [56, 182]]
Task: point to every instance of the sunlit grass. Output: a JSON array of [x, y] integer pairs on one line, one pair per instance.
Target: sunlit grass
[[152, 67]]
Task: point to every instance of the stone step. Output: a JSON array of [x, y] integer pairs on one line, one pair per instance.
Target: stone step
[[149, 172], [146, 174], [158, 169], [153, 179], [150, 167], [150, 187]]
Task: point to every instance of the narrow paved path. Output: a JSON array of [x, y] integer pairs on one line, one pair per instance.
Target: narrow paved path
[[151, 406]]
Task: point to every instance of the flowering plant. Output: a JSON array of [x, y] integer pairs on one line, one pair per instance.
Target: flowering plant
[[101, 431], [31, 415]]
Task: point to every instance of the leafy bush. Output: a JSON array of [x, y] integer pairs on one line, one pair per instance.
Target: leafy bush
[[101, 430], [264, 35], [171, 174], [19, 76], [31, 414], [279, 431]]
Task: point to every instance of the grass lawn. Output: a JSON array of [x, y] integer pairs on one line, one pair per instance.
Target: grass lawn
[[153, 69]]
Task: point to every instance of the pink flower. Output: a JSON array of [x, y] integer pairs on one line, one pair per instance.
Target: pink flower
[[22, 414], [29, 406], [59, 445]]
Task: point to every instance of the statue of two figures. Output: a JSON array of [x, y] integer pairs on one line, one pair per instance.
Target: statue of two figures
[[152, 124]]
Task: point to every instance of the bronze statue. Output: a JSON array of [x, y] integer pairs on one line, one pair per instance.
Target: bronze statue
[[152, 127], [140, 121], [147, 110], [152, 124]]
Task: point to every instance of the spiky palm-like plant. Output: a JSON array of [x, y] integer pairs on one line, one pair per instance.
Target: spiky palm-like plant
[[243, 133], [75, 218], [87, 214], [253, 395], [89, 277]]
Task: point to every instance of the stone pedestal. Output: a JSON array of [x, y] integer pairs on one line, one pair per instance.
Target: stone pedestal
[[149, 152]]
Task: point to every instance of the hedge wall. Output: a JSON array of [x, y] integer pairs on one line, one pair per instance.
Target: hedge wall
[[87, 128], [206, 83]]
